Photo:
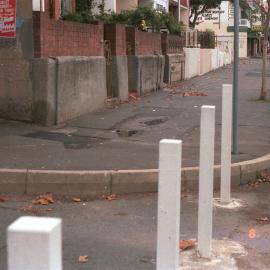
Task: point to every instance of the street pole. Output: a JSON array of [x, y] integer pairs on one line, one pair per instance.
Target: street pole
[[235, 77]]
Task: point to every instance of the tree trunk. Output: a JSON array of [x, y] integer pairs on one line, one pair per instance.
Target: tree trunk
[[265, 47]]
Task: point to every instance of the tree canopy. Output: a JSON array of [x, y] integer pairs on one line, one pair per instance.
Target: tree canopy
[[198, 7]]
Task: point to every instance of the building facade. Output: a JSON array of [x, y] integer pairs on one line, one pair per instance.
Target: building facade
[[221, 21], [179, 8]]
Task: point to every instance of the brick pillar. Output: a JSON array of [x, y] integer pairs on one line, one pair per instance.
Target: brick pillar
[[56, 9], [73, 6]]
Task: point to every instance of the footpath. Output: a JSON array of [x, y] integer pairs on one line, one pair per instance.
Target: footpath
[[118, 231], [126, 136]]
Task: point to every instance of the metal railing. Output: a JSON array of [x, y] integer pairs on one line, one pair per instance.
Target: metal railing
[[190, 38]]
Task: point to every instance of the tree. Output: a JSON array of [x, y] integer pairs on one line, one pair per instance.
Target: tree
[[198, 7], [263, 94]]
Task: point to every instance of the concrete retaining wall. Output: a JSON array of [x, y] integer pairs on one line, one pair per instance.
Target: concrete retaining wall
[[145, 73], [44, 91], [228, 58], [174, 68], [221, 61], [214, 59], [200, 61], [205, 61], [67, 87], [120, 77], [193, 62]]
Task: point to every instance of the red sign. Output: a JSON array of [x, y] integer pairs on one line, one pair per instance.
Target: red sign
[[8, 18], [184, 3]]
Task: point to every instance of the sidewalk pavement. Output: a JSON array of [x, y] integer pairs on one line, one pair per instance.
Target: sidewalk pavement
[[127, 136], [121, 234]]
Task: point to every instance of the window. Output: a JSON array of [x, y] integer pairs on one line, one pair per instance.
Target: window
[[160, 7]]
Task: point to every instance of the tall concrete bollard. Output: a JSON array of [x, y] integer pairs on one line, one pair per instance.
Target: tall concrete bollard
[[207, 142], [169, 198], [226, 144], [35, 243]]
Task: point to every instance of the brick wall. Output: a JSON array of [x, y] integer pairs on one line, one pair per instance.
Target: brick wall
[[53, 37], [142, 43], [116, 34]]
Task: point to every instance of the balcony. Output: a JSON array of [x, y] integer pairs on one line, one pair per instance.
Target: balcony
[[242, 23]]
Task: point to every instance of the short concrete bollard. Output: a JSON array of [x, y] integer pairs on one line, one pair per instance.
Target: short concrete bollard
[[35, 243], [169, 198], [207, 142], [226, 141]]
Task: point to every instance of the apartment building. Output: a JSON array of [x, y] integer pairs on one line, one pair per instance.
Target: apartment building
[[179, 8], [221, 21]]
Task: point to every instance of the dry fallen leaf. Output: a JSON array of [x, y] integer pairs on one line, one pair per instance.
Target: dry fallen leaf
[[186, 244], [83, 259], [194, 94], [44, 199], [133, 96], [34, 210], [111, 197], [2, 199], [264, 175], [262, 220], [76, 200]]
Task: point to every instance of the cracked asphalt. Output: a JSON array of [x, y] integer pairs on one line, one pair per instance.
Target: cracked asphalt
[[126, 136]]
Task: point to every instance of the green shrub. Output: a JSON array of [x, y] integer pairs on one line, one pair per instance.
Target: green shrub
[[207, 39], [143, 17]]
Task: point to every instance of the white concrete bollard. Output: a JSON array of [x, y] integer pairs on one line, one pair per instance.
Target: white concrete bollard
[[226, 141], [169, 198], [207, 143], [35, 243]]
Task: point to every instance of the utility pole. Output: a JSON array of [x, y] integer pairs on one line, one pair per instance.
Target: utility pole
[[235, 77]]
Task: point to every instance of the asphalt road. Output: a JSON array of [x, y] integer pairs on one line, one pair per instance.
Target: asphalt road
[[121, 234]]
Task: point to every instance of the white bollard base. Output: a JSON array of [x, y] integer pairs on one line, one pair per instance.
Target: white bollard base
[[34, 243]]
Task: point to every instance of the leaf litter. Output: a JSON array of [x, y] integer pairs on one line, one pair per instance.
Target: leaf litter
[[111, 197], [262, 220], [263, 177], [187, 244], [83, 258], [44, 199]]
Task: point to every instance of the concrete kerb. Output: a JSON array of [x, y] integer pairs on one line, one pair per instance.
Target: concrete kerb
[[94, 184]]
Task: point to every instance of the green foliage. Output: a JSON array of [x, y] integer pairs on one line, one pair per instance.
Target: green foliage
[[205, 3], [143, 17], [198, 7], [207, 39], [101, 7], [85, 6]]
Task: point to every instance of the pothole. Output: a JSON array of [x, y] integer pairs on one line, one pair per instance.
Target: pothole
[[70, 141], [128, 133], [154, 122], [137, 126]]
